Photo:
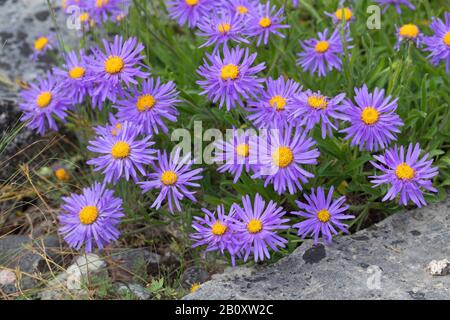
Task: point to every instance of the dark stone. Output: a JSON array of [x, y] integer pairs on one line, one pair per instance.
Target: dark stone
[[194, 275], [415, 233], [30, 257], [417, 295], [139, 262], [314, 254], [42, 15]]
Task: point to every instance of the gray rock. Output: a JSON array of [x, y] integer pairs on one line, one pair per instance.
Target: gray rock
[[138, 262], [194, 275], [21, 23], [29, 258], [385, 261], [135, 289]]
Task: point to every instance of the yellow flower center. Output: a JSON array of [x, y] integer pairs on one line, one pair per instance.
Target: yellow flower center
[[41, 43], [195, 287], [44, 99], [61, 174], [191, 2], [169, 178], [409, 30], [114, 64], [120, 17], [224, 28], [243, 150], [101, 3], [317, 102], [254, 226], [242, 9], [370, 115], [322, 46], [117, 128], [88, 215], [77, 72], [447, 38], [265, 22], [347, 14], [404, 172], [84, 17], [278, 102], [218, 228], [282, 156], [120, 150], [229, 72], [145, 102], [323, 215]]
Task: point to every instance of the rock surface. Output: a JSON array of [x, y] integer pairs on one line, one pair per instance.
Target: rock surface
[[28, 259], [385, 261]]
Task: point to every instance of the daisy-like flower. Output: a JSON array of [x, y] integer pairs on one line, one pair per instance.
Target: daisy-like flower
[[281, 157], [222, 28], [111, 129], [42, 102], [91, 218], [439, 44], [408, 32], [243, 8], [258, 227], [189, 11], [373, 119], [323, 215], [123, 154], [235, 153], [312, 107], [340, 14], [120, 63], [73, 73], [407, 175], [41, 45], [271, 108], [266, 20], [103, 10], [150, 106], [230, 78], [396, 3], [323, 54], [172, 176], [215, 231]]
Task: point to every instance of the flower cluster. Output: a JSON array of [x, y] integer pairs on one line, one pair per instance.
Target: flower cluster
[[113, 79]]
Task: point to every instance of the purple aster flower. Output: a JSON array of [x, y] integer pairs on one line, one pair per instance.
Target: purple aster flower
[[323, 54], [172, 176], [229, 78], [396, 3], [111, 129], [405, 174], [42, 102], [189, 11], [235, 153], [42, 44], [149, 107], [216, 231], [257, 226], [102, 10], [120, 63], [221, 28], [373, 121], [91, 218], [266, 20], [74, 76], [123, 154], [439, 44], [244, 8], [408, 32], [295, 3], [271, 108], [323, 215], [312, 107], [340, 14], [282, 154]]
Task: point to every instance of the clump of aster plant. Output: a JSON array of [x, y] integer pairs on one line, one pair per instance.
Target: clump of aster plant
[[439, 43]]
